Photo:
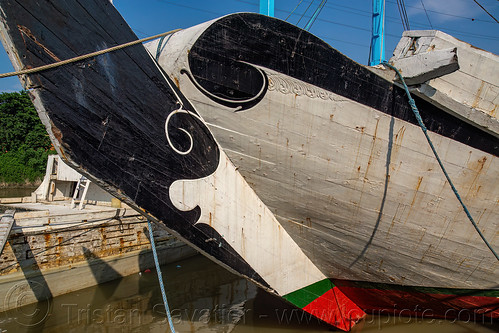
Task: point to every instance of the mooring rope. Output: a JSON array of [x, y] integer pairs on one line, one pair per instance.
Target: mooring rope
[[86, 56], [160, 278], [415, 110]]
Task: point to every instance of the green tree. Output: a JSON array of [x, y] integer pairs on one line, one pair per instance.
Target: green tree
[[24, 142], [19, 123]]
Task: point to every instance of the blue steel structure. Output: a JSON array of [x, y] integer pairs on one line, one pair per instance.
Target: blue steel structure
[[267, 7], [377, 55]]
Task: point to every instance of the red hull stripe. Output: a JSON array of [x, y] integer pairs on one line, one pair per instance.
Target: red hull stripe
[[423, 302], [424, 290], [326, 302]]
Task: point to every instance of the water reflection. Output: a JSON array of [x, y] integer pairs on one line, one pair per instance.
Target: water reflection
[[203, 298]]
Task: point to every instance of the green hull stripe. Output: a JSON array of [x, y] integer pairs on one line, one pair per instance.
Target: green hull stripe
[[303, 297], [424, 290]]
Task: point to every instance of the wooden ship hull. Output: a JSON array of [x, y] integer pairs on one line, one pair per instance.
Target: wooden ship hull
[[276, 156]]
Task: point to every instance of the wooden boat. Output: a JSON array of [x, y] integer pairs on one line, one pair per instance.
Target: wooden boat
[[60, 242], [280, 158]]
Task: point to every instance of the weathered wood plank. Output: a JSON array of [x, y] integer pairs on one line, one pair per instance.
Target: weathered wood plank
[[107, 115]]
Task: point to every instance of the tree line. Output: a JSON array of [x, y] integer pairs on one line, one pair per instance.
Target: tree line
[[24, 143]]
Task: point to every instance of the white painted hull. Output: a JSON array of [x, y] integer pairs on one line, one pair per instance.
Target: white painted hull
[[272, 154], [359, 190]]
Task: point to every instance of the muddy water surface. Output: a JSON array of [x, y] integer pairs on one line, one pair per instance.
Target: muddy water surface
[[203, 298]]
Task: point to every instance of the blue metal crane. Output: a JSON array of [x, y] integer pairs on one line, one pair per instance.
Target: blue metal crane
[[267, 7], [377, 55]]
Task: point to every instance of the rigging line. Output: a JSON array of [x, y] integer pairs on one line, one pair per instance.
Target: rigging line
[[415, 110], [365, 13], [405, 14], [317, 16], [401, 16], [422, 25], [408, 6], [342, 41], [364, 29], [293, 10], [342, 24], [422, 4], [306, 10], [446, 14], [312, 20], [193, 8], [368, 14], [400, 13], [313, 15], [86, 56], [486, 11], [356, 27], [455, 32], [391, 19]]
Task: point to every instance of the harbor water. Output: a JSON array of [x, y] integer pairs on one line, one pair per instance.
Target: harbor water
[[203, 297], [15, 192]]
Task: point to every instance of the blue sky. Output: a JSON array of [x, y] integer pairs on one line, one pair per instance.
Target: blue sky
[[344, 24]]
